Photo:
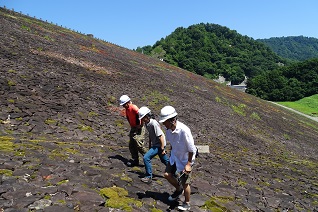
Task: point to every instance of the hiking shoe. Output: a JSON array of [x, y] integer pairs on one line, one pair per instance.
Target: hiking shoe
[[132, 163], [184, 207], [175, 195], [147, 180]]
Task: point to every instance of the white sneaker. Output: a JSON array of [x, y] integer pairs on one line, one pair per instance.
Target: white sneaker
[[184, 207]]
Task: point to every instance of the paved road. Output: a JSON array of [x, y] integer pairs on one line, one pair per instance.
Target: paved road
[[311, 117]]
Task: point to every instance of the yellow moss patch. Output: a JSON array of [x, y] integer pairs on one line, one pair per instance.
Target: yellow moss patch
[[57, 154], [126, 178], [6, 172], [239, 109], [86, 128], [155, 210], [6, 144], [50, 121], [215, 203], [62, 182], [136, 169], [116, 197]]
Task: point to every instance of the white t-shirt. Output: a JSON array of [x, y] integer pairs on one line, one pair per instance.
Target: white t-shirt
[[182, 143]]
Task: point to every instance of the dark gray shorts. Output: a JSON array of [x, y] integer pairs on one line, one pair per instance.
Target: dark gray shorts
[[184, 179]]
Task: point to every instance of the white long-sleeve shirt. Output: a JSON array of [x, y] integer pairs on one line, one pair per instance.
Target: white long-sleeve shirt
[[182, 143]]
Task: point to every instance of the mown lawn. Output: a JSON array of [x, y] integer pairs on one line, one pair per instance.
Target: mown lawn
[[307, 105]]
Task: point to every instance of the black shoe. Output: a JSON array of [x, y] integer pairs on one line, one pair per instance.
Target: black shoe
[[133, 163], [175, 195]]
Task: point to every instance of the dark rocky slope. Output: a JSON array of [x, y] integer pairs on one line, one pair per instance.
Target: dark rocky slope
[[66, 140]]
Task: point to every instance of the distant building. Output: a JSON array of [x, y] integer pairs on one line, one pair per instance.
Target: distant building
[[240, 87], [90, 35]]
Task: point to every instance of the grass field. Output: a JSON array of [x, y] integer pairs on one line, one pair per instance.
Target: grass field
[[307, 105]]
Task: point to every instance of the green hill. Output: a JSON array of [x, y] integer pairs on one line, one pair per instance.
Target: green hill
[[296, 48], [211, 50]]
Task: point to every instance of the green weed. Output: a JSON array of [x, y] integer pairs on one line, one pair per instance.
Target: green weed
[[11, 83], [62, 182], [255, 116], [111, 100], [11, 101], [241, 183], [26, 28], [218, 99], [240, 109], [155, 210], [86, 128], [119, 123], [92, 113], [287, 137], [215, 204], [50, 122], [6, 172], [6, 144], [156, 100]]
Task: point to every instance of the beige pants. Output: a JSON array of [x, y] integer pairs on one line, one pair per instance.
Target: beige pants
[[136, 142]]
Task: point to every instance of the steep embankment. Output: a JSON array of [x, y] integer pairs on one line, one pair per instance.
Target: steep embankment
[[66, 139]]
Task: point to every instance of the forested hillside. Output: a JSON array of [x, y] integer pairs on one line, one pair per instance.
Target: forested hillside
[[296, 48], [289, 83], [211, 50]]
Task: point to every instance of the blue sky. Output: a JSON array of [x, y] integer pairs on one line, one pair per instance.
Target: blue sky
[[133, 23]]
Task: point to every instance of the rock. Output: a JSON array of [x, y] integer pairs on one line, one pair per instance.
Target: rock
[[40, 204], [87, 198]]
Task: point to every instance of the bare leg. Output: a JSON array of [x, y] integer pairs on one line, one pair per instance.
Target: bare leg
[[187, 192], [172, 180]]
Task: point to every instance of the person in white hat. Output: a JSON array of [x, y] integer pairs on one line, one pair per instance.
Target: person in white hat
[[182, 156], [157, 142], [137, 131]]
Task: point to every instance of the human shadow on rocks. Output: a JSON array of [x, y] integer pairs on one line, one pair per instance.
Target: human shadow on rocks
[[142, 174], [121, 158], [162, 197]]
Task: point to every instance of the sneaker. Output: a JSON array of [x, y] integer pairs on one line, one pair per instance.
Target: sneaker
[[132, 163], [175, 195], [184, 207], [146, 180]]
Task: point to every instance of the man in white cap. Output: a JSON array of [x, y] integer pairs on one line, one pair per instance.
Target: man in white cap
[[157, 142], [137, 131], [182, 155]]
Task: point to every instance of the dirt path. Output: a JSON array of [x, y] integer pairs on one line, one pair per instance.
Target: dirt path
[[310, 117]]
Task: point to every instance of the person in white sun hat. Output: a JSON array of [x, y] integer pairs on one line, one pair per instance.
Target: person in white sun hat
[[182, 155], [157, 142], [137, 131]]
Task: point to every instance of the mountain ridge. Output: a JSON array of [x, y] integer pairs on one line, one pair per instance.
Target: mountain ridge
[[66, 139], [296, 48]]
